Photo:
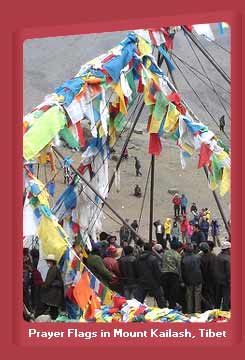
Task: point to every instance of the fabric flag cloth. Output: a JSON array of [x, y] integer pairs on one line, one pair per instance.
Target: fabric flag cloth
[[166, 58], [225, 182], [155, 145], [82, 291], [222, 26], [52, 238], [204, 156], [204, 29], [42, 132], [68, 137]]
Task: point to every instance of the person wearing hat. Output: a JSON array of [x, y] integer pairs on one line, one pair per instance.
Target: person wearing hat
[[222, 277], [204, 227], [52, 292], [192, 277], [111, 263], [171, 273], [112, 240], [208, 268]]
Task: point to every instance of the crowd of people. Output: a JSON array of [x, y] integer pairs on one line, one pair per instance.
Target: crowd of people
[[179, 268]]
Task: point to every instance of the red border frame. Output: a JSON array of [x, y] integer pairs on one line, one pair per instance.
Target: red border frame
[[41, 20]]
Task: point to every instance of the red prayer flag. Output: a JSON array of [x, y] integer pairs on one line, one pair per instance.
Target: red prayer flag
[[204, 156], [155, 145]]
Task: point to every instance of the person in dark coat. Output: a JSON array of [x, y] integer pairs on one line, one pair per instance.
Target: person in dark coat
[[197, 237], [192, 278], [208, 268], [127, 266], [137, 166], [137, 191], [52, 292], [27, 271], [204, 227], [135, 226], [149, 277], [215, 232], [222, 277]]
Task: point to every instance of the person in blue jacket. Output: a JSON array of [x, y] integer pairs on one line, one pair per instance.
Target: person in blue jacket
[[184, 202]]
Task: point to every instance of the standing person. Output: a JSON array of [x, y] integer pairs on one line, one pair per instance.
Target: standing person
[[175, 232], [176, 201], [128, 271], [197, 236], [27, 271], [204, 227], [96, 266], [112, 265], [215, 232], [36, 287], [138, 248], [137, 166], [171, 276], [124, 234], [192, 277], [135, 226], [193, 209], [159, 230], [52, 293], [168, 228], [184, 203], [222, 123], [157, 250], [208, 269], [223, 277], [184, 229], [149, 277]]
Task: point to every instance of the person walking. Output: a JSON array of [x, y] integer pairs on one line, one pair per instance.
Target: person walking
[[192, 278], [128, 271], [137, 166], [223, 277], [177, 202], [184, 203], [149, 277], [134, 237]]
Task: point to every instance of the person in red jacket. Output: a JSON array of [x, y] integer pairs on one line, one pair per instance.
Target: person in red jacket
[[177, 202], [184, 229]]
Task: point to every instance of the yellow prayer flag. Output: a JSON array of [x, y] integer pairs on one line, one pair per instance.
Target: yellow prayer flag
[[118, 89], [52, 238], [225, 182], [108, 298], [172, 118], [144, 47]]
